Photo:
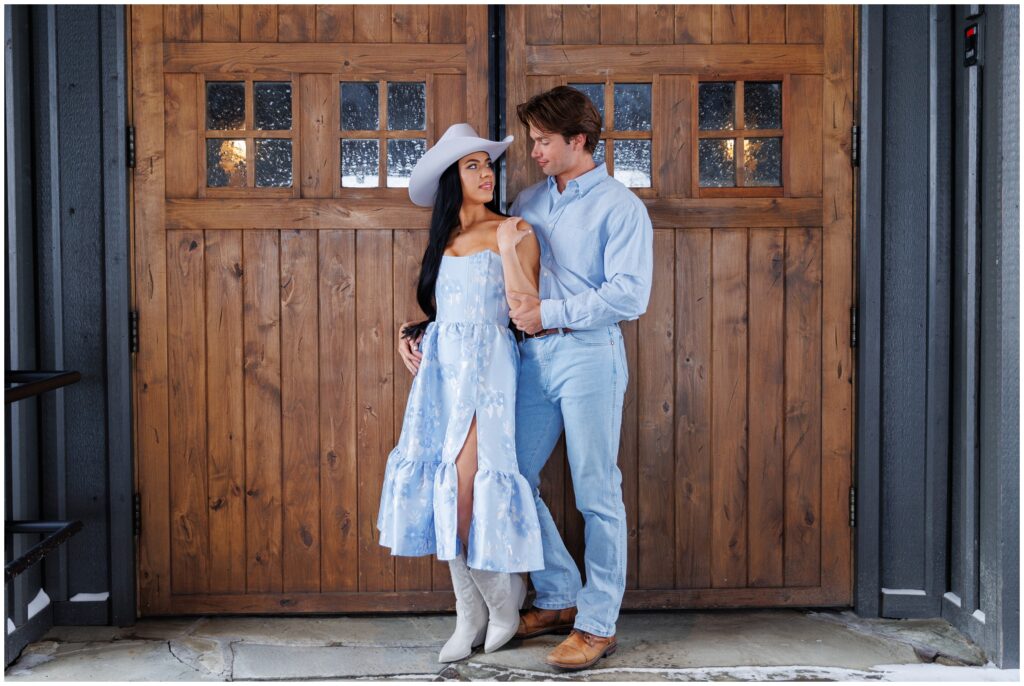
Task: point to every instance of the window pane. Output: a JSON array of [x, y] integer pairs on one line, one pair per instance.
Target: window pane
[[272, 106], [594, 91], [225, 105], [402, 157], [762, 161], [273, 163], [715, 106], [717, 166], [633, 107], [359, 106], [225, 163], [633, 163], [407, 106], [599, 152], [360, 162], [762, 105]]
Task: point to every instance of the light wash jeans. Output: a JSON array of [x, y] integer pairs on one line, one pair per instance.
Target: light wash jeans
[[577, 381]]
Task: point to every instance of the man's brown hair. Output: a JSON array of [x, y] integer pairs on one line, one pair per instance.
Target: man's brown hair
[[563, 110]]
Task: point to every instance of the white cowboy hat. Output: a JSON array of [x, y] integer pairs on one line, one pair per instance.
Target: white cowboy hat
[[457, 142]]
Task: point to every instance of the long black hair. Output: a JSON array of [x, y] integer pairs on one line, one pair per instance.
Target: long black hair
[[443, 221]]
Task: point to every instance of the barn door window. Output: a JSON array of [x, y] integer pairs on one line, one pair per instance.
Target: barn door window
[[383, 132], [625, 145]]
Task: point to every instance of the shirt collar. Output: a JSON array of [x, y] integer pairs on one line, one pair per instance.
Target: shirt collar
[[582, 183]]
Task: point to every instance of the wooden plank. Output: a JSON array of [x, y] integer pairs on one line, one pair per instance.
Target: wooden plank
[[686, 213], [410, 24], [447, 23], [411, 573], [726, 61], [803, 113], [837, 368], [308, 58], [517, 155], [220, 23], [805, 24], [150, 271], [581, 24], [766, 406], [729, 409], [339, 564], [767, 24], [618, 24], [803, 408], [262, 364], [693, 409], [296, 23], [334, 23], [628, 442], [477, 68], [183, 23], [186, 369], [693, 24], [371, 23], [656, 409], [258, 23], [300, 410], [544, 24], [225, 417], [672, 123], [182, 126], [448, 104], [729, 24], [374, 399], [319, 141], [655, 24]]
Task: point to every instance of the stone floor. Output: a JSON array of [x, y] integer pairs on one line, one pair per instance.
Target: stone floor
[[735, 645]]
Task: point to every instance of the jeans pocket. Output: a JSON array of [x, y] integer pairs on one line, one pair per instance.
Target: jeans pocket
[[590, 338]]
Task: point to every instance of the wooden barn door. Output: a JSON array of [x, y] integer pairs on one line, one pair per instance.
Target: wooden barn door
[[275, 251], [733, 123]]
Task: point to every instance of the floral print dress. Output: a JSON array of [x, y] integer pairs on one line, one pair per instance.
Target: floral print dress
[[469, 367]]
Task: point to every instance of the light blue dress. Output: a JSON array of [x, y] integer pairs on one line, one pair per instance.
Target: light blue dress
[[470, 365]]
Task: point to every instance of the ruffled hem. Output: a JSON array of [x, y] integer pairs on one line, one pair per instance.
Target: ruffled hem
[[419, 516]]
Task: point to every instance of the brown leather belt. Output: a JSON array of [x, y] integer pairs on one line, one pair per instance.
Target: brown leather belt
[[522, 335]]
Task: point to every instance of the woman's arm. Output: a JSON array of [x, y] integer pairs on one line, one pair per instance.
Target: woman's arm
[[520, 257]]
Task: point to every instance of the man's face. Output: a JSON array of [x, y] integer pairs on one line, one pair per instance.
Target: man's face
[[553, 154]]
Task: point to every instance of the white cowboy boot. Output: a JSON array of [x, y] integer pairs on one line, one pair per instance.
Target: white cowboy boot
[[504, 594], [470, 614]]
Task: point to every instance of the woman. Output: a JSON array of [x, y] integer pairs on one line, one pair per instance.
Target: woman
[[452, 485]]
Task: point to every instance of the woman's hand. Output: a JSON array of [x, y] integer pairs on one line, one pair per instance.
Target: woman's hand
[[509, 235], [407, 350]]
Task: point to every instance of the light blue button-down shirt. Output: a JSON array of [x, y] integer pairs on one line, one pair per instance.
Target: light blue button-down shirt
[[596, 244]]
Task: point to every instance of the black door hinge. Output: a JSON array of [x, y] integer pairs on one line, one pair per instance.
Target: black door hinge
[[853, 327], [133, 331], [855, 146], [853, 507], [130, 145], [137, 513]]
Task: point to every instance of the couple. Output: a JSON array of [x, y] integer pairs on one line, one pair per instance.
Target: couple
[[487, 404]]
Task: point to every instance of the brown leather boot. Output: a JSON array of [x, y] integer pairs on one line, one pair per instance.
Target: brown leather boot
[[581, 650], [537, 621]]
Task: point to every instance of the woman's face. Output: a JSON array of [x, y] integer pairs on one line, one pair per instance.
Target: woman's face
[[477, 178]]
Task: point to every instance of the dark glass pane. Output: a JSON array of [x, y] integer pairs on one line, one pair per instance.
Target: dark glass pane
[[599, 152], [407, 106], [225, 105], [272, 106], [762, 161], [360, 163], [717, 166], [633, 163], [632, 107], [225, 163], [762, 105], [402, 157], [359, 106], [273, 163], [594, 91], [715, 106]]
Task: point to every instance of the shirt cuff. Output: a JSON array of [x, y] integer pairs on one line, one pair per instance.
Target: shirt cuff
[[552, 314]]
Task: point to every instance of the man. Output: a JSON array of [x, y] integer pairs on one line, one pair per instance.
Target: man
[[596, 263]]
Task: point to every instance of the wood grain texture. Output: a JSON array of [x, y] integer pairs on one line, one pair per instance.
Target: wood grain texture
[[477, 90], [181, 123], [767, 23], [296, 23], [803, 114], [410, 24], [618, 24], [805, 23], [371, 23], [183, 23], [318, 116], [220, 23], [334, 23], [581, 24], [628, 457], [544, 24], [693, 24], [672, 145], [258, 23], [447, 23], [729, 23], [655, 24]]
